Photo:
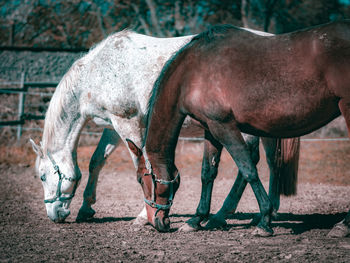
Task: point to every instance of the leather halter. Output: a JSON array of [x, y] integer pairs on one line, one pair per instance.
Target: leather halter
[[155, 180], [61, 177]]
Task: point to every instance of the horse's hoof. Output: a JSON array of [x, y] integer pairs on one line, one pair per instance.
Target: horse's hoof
[[339, 230], [261, 232], [85, 214], [188, 228], [215, 223], [255, 221], [140, 221]]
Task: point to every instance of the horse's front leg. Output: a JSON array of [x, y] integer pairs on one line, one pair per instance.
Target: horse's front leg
[[270, 146], [229, 136], [107, 144], [231, 202], [342, 229], [210, 163]]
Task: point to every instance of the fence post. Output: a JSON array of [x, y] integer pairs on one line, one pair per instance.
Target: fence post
[[21, 107]]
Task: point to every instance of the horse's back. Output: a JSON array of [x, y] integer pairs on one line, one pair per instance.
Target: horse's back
[[277, 82], [120, 71]]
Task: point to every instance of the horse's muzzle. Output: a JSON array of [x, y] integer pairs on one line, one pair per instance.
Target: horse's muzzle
[[162, 224], [56, 212]]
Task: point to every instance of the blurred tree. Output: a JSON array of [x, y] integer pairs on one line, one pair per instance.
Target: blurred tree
[[74, 24], [279, 16]]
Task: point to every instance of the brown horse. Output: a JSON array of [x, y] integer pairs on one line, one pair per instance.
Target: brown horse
[[233, 81]]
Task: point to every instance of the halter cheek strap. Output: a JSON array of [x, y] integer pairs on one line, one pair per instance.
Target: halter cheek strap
[[153, 202], [58, 196]]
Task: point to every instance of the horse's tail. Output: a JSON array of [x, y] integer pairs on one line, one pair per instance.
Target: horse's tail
[[286, 163]]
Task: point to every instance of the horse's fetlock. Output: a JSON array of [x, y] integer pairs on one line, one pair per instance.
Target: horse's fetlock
[[202, 212], [89, 200]]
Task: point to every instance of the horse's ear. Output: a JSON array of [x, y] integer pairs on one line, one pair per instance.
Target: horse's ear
[[37, 149], [132, 146]]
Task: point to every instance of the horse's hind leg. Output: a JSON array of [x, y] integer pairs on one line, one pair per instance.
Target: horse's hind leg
[[210, 163], [270, 146], [230, 137], [233, 198], [107, 144], [342, 229]]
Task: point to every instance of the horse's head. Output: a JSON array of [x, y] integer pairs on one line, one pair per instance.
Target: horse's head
[[60, 178], [158, 193]]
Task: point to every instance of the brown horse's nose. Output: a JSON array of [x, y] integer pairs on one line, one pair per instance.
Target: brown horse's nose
[[162, 224]]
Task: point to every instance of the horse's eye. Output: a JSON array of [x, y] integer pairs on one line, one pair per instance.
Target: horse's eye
[[43, 178]]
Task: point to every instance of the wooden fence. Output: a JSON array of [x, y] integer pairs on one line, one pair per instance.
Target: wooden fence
[[23, 88], [22, 91]]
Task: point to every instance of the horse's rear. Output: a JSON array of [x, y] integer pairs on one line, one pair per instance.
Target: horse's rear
[[338, 70]]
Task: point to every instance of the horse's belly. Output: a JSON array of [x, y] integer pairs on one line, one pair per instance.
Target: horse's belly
[[293, 122]]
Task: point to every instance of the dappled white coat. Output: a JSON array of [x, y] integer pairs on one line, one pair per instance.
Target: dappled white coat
[[111, 85]]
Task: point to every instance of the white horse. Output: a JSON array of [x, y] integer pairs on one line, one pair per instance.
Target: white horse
[[111, 85]]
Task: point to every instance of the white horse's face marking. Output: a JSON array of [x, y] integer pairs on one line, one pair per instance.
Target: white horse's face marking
[[57, 210]]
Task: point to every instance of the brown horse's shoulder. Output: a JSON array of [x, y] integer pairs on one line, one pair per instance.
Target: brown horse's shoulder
[[206, 101]]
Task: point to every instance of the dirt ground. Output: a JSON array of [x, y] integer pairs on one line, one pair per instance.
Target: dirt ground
[[27, 235]]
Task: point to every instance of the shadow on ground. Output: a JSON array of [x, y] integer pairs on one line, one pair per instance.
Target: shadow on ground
[[297, 223]]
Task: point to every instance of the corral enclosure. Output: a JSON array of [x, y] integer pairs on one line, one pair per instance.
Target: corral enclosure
[[300, 230], [27, 235]]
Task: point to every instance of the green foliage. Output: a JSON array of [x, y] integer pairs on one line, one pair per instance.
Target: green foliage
[[74, 23]]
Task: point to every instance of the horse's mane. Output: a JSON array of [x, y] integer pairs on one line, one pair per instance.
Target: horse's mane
[[163, 75], [56, 113], [211, 34], [215, 32]]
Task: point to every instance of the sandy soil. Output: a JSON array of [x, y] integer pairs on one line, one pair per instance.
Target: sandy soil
[[27, 235]]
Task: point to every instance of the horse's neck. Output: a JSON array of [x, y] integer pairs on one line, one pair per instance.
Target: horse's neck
[[163, 129], [63, 123]]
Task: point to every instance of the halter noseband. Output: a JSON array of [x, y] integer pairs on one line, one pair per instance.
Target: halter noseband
[[61, 177], [155, 180]]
